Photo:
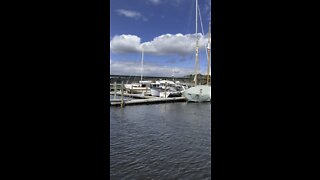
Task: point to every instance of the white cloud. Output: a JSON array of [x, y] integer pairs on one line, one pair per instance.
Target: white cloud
[[156, 2], [131, 14], [174, 44], [125, 44], [133, 68]]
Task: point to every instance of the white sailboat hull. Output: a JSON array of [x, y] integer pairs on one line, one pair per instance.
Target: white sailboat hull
[[200, 93]]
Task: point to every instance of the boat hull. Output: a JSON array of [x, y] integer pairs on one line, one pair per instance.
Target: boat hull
[[138, 90], [161, 93], [155, 92], [199, 93]]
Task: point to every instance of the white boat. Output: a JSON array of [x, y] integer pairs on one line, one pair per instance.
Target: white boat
[[166, 88], [155, 92], [199, 93], [143, 87]]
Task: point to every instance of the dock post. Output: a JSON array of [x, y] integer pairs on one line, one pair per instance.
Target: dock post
[[165, 90], [115, 90], [122, 104]]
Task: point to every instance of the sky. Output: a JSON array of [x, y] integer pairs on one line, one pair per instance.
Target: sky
[[165, 30]]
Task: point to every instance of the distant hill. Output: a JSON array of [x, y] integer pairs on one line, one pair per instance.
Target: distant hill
[[192, 75]]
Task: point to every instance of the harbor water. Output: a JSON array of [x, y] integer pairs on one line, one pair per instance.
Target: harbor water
[[161, 141]]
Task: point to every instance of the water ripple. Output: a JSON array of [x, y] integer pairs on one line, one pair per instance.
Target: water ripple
[[164, 141]]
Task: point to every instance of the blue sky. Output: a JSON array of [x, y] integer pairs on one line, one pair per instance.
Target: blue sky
[[165, 29]]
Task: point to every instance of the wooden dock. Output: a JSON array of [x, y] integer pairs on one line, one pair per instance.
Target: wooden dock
[[153, 100], [138, 96], [115, 86], [118, 100]]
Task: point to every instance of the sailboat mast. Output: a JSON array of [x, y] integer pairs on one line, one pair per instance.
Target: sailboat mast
[[142, 65], [196, 68], [208, 49], [173, 75]]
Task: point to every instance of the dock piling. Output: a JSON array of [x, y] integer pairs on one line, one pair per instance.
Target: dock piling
[[165, 90], [122, 102], [115, 90]]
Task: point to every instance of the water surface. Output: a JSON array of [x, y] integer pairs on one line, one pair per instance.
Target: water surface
[[161, 141]]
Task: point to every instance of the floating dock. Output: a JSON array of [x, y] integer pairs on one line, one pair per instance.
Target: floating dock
[[144, 100], [149, 101], [138, 96]]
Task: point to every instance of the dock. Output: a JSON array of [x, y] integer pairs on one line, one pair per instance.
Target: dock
[[153, 100], [143, 99], [139, 98]]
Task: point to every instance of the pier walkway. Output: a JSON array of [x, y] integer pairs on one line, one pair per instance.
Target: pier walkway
[[143, 99]]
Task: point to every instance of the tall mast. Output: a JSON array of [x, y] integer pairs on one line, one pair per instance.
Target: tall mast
[[173, 75], [208, 49], [142, 65], [196, 68]]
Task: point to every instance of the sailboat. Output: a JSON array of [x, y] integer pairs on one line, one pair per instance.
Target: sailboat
[[199, 93], [143, 87]]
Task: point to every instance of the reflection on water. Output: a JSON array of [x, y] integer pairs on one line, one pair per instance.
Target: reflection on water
[[161, 141]]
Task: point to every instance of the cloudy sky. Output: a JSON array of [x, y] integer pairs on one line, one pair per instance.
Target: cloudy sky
[[164, 29]]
